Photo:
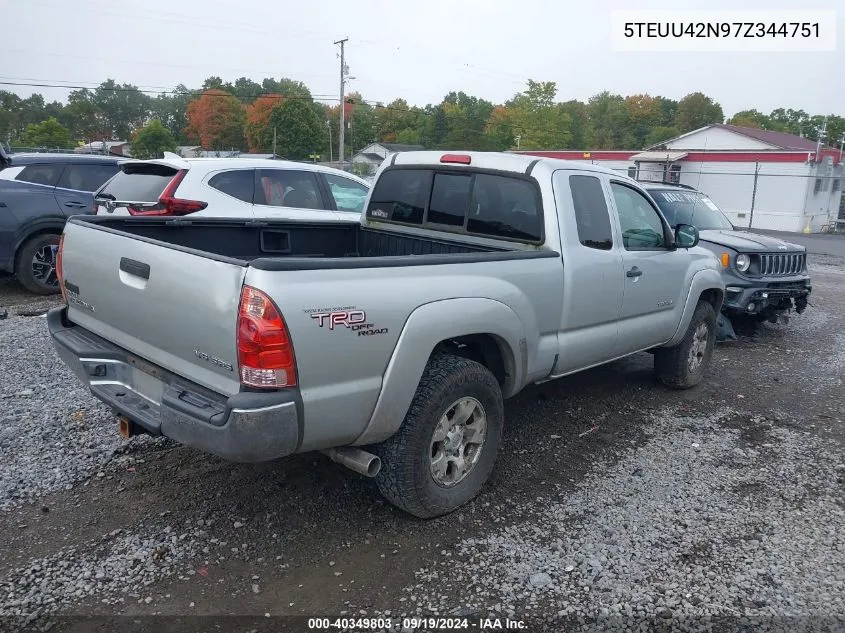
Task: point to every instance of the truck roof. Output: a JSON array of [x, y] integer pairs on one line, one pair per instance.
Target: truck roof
[[501, 161]]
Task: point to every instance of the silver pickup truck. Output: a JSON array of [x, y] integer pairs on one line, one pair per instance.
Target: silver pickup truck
[[389, 343]]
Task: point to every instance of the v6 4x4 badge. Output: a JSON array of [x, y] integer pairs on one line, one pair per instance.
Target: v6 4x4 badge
[[355, 320]]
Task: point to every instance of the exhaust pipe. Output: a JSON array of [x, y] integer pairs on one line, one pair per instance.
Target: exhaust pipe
[[355, 459]]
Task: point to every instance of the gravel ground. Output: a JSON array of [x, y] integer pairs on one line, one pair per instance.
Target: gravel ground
[[613, 499], [51, 433], [711, 516]]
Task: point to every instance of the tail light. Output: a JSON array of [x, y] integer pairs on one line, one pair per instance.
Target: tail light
[[265, 353], [59, 271], [170, 205]]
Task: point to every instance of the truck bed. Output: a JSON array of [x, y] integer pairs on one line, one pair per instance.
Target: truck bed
[[262, 243]]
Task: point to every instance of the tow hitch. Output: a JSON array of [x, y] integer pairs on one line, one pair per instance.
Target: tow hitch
[[126, 427]]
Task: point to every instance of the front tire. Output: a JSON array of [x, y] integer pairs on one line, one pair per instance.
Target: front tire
[[36, 266], [446, 447], [683, 366]]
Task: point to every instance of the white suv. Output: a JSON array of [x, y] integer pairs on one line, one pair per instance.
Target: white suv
[[232, 187]]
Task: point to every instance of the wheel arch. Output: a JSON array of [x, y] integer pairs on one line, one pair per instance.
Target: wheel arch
[[488, 332]]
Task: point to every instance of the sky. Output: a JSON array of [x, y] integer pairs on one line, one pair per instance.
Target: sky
[[416, 50]]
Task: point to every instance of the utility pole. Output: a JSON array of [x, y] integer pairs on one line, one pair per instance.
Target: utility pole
[[343, 71], [274, 141], [329, 127], [841, 145], [517, 138], [822, 137]]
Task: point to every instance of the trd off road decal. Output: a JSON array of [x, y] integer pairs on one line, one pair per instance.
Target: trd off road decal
[[350, 318]]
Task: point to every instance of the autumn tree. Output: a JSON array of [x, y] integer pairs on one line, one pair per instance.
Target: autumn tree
[[258, 132], [152, 141], [299, 131], [49, 133], [216, 121], [697, 110]]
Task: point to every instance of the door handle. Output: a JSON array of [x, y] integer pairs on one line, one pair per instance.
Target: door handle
[[75, 205], [134, 267], [634, 272]]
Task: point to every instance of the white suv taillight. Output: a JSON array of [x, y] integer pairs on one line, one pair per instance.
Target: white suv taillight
[[168, 204], [265, 353]]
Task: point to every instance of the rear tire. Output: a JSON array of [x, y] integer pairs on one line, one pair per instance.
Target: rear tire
[[446, 447], [36, 265], [683, 366]]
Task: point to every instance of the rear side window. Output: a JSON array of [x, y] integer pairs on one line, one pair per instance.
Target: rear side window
[[238, 183], [591, 215], [86, 177], [483, 204], [288, 188], [44, 174], [140, 183], [348, 195]]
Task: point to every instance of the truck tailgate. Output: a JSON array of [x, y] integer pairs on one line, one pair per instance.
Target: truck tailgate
[[175, 308]]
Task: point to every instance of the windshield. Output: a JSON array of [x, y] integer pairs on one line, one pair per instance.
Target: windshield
[[690, 207]]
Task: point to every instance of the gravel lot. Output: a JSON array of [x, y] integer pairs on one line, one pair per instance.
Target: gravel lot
[[614, 500]]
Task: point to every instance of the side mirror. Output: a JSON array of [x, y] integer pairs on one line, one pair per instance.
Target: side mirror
[[686, 236]]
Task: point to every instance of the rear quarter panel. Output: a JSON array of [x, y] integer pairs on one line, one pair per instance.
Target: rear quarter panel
[[340, 370], [25, 209]]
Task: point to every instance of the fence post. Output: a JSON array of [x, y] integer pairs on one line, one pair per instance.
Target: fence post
[[754, 193]]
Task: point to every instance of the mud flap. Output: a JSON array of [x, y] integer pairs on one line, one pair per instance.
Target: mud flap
[[724, 329]]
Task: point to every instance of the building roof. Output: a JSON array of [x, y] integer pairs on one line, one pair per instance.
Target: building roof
[[781, 140], [370, 156], [397, 147], [778, 140]]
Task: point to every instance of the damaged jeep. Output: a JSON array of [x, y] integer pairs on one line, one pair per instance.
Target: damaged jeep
[[765, 277]]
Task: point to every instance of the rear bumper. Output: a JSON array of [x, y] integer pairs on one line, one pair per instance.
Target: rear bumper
[[762, 297], [245, 427]]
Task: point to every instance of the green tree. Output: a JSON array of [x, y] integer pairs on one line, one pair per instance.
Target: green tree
[[122, 107], [660, 134], [750, 118], [609, 121], [299, 131], [644, 114], [152, 141], [697, 110], [172, 110], [579, 128], [49, 133], [534, 116]]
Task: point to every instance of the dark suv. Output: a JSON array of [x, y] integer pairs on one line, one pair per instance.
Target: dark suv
[[765, 277], [38, 192]]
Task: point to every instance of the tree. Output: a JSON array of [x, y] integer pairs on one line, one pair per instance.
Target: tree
[[660, 134], [87, 120], [577, 111], [534, 116], [152, 141], [697, 110], [609, 121], [258, 132], [216, 121], [172, 110], [750, 118], [644, 114], [122, 108], [299, 130], [49, 133], [286, 87]]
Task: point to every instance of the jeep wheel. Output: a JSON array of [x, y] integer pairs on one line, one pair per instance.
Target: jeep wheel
[[36, 266], [445, 449], [683, 366]]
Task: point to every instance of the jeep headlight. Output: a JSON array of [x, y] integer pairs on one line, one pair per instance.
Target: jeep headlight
[[743, 261]]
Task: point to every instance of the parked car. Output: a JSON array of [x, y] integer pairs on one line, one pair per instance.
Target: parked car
[[765, 277], [388, 343], [241, 187], [38, 192]]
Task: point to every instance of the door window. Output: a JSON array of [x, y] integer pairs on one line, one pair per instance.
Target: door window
[[591, 215], [642, 228], [288, 188], [44, 174], [348, 195]]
